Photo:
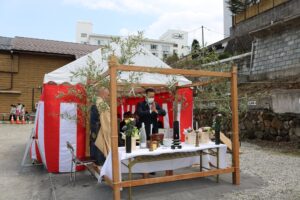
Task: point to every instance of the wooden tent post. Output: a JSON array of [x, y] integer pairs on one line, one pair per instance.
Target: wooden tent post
[[235, 128], [114, 127]]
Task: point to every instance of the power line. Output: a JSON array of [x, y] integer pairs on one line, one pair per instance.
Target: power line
[[215, 31], [208, 29], [194, 29]]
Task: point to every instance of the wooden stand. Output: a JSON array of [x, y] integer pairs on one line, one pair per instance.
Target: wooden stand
[[235, 169]]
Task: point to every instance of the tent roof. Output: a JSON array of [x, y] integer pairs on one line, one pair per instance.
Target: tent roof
[[64, 74]]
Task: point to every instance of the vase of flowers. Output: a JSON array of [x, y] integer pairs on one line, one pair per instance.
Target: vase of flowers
[[131, 134]]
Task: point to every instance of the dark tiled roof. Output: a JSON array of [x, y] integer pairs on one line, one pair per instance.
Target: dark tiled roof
[[46, 46], [5, 43]]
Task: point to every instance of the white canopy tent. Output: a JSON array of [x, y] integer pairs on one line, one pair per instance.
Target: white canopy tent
[[53, 130], [64, 74]]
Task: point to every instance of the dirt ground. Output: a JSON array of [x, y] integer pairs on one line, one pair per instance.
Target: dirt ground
[[263, 175]]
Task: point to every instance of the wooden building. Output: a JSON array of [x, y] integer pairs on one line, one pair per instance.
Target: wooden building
[[23, 63]]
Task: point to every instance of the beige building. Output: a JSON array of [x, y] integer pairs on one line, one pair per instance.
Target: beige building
[[23, 63]]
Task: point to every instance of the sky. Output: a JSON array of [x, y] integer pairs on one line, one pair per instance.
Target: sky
[[56, 19]]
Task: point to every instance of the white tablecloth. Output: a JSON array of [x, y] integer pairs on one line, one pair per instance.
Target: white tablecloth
[[165, 164]]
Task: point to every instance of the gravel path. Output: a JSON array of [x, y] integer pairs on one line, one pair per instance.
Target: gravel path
[[265, 174], [279, 171]]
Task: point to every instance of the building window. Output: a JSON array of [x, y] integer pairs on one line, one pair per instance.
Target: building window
[[83, 35], [99, 42], [166, 52], [165, 48], [153, 47], [177, 36], [155, 54], [175, 45]]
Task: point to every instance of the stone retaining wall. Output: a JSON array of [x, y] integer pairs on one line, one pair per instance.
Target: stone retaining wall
[[258, 124], [267, 125]]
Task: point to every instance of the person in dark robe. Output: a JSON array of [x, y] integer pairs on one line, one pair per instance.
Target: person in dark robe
[[95, 126], [148, 112]]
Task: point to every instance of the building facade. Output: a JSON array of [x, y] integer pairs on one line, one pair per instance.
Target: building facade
[[227, 19], [173, 41]]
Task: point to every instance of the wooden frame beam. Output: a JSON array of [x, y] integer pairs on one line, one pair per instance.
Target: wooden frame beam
[[113, 63], [142, 85], [175, 177], [235, 128], [116, 183], [203, 83], [164, 179], [106, 73], [170, 71]]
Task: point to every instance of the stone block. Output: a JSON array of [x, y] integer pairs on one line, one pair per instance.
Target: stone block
[[297, 131], [289, 62], [276, 123], [290, 42], [273, 132], [259, 134]]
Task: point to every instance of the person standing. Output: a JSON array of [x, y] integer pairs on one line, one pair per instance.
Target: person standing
[[23, 112], [148, 111], [99, 139], [12, 114], [19, 110], [94, 129], [103, 136]]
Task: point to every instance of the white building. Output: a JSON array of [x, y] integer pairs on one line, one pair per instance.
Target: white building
[[180, 40], [173, 41], [227, 15]]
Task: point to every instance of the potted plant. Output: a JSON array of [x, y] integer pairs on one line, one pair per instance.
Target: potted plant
[[131, 134]]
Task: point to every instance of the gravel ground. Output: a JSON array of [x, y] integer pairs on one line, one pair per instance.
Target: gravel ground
[[279, 171], [265, 174]]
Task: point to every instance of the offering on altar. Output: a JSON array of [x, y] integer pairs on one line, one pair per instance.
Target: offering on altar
[[167, 142], [190, 136], [168, 132], [157, 137], [153, 145], [204, 134], [131, 134]]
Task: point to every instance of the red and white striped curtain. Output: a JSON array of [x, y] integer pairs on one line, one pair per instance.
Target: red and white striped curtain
[[59, 119]]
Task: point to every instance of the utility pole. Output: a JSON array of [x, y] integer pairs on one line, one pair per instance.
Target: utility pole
[[202, 36]]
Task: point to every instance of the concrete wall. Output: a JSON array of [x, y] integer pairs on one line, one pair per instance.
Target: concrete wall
[[290, 8], [279, 101], [277, 54], [286, 101]]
